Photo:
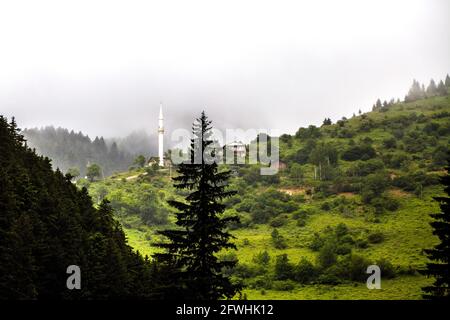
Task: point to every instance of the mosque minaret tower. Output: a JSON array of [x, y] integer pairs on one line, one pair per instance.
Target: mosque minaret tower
[[161, 137]]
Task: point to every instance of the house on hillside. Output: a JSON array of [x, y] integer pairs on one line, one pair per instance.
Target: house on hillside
[[235, 149]]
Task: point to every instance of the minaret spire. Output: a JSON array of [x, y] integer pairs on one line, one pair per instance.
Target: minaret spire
[[161, 136]]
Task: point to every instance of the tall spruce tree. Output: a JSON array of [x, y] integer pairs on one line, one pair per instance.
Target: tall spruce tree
[[191, 252], [439, 268], [415, 92]]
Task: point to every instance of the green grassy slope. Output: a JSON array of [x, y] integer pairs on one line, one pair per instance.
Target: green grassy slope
[[425, 131]]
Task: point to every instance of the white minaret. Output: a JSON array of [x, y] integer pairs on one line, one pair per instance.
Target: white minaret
[[161, 137]]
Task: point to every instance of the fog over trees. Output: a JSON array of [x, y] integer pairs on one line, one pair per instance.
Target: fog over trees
[[70, 149]]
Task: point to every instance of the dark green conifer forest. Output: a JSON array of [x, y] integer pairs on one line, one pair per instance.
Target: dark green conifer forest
[[75, 150], [47, 224]]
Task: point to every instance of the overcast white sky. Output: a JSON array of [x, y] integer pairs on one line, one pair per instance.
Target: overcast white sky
[[103, 66]]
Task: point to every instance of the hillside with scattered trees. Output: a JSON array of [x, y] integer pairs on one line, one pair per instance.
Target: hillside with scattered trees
[[350, 194], [356, 192]]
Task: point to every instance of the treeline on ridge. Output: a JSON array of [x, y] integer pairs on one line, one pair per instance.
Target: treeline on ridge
[[68, 149]]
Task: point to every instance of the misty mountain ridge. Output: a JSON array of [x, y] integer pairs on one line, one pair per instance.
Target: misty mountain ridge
[[70, 149]]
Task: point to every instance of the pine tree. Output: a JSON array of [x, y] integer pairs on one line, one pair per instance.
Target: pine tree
[[378, 104], [327, 122], [441, 89], [191, 251], [439, 267], [416, 92], [283, 268], [431, 89], [447, 81]]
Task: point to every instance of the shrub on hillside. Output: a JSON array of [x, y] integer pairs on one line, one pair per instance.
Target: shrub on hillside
[[407, 270], [353, 267], [145, 203], [387, 269], [375, 237], [311, 132], [359, 152], [284, 285], [327, 255], [389, 143], [361, 243], [245, 271], [250, 174], [341, 230], [391, 204], [228, 256], [283, 268], [317, 242], [245, 205], [343, 249], [244, 220], [431, 128], [398, 133], [439, 156], [345, 133], [383, 203], [339, 238], [374, 185], [260, 282], [262, 258], [366, 125], [414, 141], [305, 272], [347, 239], [329, 279], [377, 204], [278, 240], [300, 213], [268, 204], [269, 180], [301, 222], [325, 206], [364, 168], [278, 221], [301, 156], [395, 160], [410, 181]]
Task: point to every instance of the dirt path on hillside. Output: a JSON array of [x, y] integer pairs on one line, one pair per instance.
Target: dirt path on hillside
[[293, 191], [133, 177]]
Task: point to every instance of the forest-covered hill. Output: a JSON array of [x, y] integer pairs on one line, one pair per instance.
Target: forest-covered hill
[[354, 193], [71, 150], [47, 224]]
